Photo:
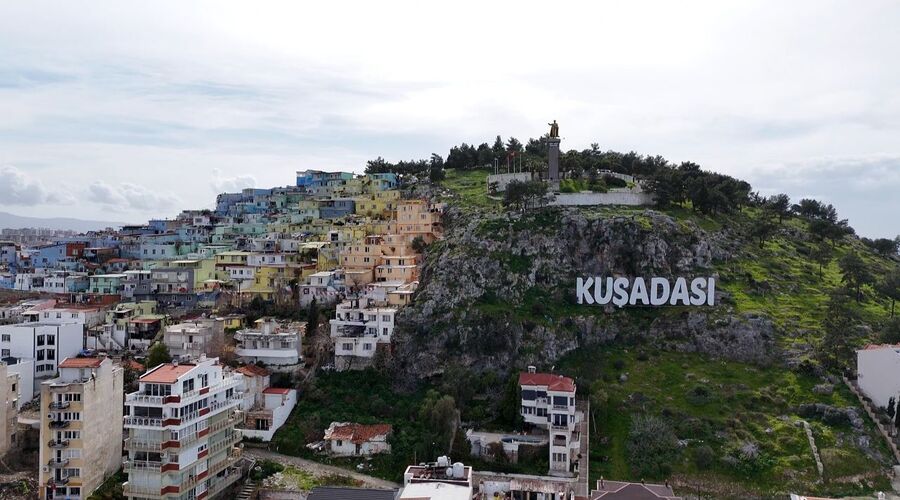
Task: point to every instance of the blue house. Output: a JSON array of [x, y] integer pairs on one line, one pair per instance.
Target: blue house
[[335, 209]]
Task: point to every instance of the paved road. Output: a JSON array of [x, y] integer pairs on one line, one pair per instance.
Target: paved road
[[317, 468]]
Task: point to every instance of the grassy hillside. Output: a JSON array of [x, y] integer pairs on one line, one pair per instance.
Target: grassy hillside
[[738, 425], [740, 403]]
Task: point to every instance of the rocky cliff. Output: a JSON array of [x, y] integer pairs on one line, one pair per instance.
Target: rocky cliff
[[498, 293]]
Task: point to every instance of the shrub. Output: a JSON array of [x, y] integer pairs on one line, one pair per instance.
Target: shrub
[[704, 457], [699, 395], [652, 447], [264, 469]]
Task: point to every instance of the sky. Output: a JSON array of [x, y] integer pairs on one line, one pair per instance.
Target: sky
[[126, 111]]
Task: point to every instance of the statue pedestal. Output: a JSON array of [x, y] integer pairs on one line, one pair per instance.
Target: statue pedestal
[[553, 160]]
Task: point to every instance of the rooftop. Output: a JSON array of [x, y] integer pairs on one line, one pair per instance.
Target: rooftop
[[619, 490], [356, 433], [339, 493], [276, 390], [81, 363], [552, 381], [166, 374], [253, 371]]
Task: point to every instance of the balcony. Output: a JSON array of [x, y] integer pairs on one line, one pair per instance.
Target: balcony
[[143, 422], [141, 491], [58, 444], [59, 405], [59, 424], [142, 444], [559, 427], [563, 407], [143, 465], [61, 480], [58, 462]]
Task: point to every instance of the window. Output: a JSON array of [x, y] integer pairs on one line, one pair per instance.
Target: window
[[367, 346], [51, 340], [187, 385], [347, 346], [40, 355], [5, 352], [51, 354], [5, 337], [40, 340]]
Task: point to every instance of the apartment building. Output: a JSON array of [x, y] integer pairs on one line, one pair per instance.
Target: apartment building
[[325, 287], [191, 339], [277, 345], [181, 432], [44, 343], [81, 431], [548, 401], [9, 408], [358, 327]]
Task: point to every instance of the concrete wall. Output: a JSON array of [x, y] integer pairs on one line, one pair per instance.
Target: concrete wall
[[879, 374], [608, 198], [503, 180]]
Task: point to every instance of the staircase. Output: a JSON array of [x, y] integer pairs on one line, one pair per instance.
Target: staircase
[[247, 491]]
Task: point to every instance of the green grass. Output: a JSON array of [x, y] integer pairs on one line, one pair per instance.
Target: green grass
[[746, 404], [470, 188]]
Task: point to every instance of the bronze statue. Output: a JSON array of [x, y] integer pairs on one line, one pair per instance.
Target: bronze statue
[[554, 129]]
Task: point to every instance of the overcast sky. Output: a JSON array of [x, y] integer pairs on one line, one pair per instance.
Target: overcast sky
[[130, 110]]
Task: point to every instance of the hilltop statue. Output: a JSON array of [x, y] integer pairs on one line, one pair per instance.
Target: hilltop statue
[[554, 129]]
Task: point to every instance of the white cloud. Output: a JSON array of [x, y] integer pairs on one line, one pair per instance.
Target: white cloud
[[169, 91], [19, 188], [127, 196], [220, 184]]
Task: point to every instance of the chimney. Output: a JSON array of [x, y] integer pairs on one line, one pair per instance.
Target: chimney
[[532, 369]]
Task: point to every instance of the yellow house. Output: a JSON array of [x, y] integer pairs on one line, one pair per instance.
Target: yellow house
[[419, 218], [204, 270], [380, 204], [234, 321]]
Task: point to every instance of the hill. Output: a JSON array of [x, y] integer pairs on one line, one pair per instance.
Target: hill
[[12, 221], [733, 383]]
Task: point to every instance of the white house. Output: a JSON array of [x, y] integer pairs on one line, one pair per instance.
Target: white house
[[878, 372], [274, 344], [355, 440], [326, 287], [357, 329], [548, 401], [47, 344], [192, 338]]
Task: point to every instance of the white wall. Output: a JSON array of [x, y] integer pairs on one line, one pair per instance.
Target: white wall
[[609, 198], [67, 342], [879, 373]]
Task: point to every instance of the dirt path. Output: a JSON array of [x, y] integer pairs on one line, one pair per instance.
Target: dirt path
[[317, 468]]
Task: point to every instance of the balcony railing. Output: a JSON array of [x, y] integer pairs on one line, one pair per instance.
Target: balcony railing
[[58, 462], [144, 491], [59, 424], [142, 444], [563, 407], [144, 421], [143, 465], [59, 405], [58, 444]]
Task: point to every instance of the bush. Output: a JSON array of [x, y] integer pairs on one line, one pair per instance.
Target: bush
[[265, 469], [652, 447], [699, 395], [704, 458]]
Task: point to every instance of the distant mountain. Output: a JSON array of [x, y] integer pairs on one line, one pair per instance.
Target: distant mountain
[[12, 221]]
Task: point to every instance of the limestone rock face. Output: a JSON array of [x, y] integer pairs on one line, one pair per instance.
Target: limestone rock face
[[498, 293]]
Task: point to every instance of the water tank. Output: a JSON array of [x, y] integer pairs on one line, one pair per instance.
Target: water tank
[[459, 470], [449, 472], [443, 461]]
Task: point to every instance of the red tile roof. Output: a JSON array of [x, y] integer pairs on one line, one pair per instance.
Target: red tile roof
[[253, 371], [81, 363], [275, 390], [358, 433], [553, 381], [872, 347], [134, 365], [166, 374]]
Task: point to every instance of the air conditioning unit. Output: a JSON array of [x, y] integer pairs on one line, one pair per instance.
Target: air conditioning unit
[[50, 416]]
